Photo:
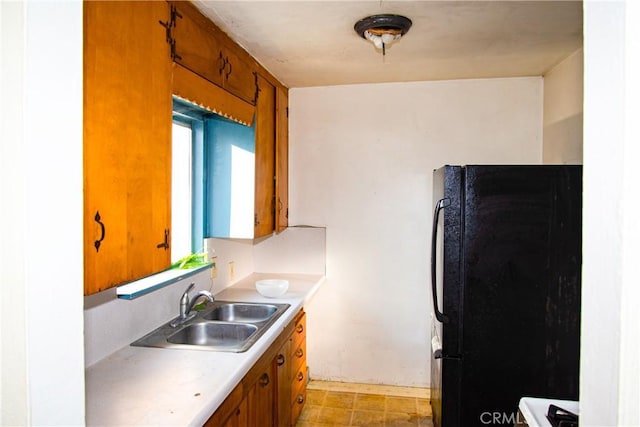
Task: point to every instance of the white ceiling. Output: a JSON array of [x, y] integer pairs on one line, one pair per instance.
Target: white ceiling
[[312, 43]]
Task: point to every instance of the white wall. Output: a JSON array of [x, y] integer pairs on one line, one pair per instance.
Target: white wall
[[41, 215], [562, 134], [361, 162], [610, 348]]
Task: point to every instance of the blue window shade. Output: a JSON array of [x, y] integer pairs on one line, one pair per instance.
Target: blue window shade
[[214, 142], [224, 140]]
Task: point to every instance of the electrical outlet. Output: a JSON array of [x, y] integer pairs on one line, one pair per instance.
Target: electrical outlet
[[232, 271], [214, 267]]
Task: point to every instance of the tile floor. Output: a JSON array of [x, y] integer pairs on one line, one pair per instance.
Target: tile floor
[[339, 404]]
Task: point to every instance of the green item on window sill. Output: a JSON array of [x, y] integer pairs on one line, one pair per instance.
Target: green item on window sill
[[190, 261]]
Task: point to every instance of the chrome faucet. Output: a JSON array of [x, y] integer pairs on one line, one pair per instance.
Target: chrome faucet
[[186, 305]]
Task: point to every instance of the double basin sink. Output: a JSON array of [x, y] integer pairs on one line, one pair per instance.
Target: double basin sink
[[222, 326]]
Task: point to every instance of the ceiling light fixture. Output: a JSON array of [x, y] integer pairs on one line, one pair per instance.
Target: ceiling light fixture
[[382, 30]]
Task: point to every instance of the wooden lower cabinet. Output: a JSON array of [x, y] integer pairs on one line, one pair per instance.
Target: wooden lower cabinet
[[273, 392], [298, 368]]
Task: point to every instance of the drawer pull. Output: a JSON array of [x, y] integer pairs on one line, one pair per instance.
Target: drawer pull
[[300, 376], [264, 380], [299, 328], [299, 352], [300, 399], [280, 360]]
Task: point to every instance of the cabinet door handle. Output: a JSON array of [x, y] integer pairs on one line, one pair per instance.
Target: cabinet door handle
[[299, 352], [300, 376], [99, 241], [164, 244], [300, 399], [264, 380], [299, 328], [280, 360], [230, 69], [223, 63]]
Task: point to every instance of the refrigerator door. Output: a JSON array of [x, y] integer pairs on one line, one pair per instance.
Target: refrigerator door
[[521, 263]]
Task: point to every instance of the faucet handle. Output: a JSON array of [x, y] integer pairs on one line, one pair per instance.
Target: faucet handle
[[189, 288]]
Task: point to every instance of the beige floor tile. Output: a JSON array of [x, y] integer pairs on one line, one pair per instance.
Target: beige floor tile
[[401, 404], [335, 416], [400, 419], [367, 418], [343, 407], [372, 402], [337, 399], [316, 397], [310, 412]]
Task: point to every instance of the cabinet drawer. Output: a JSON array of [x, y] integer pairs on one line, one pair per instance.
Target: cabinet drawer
[[299, 376], [298, 357], [300, 331], [298, 403], [299, 386]]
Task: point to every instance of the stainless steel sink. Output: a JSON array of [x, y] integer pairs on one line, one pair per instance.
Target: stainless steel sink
[[214, 334], [242, 312], [222, 326]]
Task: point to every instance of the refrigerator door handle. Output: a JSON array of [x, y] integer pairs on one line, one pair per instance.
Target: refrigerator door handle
[[441, 204]]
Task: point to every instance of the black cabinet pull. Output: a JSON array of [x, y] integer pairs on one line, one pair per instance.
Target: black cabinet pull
[[99, 241], [223, 63], [228, 73], [164, 244]]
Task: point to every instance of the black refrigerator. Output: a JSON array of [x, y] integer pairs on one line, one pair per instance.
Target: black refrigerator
[[505, 265]]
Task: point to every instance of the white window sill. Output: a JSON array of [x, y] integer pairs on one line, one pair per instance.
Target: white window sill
[[154, 282]]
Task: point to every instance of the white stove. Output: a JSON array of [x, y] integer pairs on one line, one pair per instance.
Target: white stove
[[532, 411]]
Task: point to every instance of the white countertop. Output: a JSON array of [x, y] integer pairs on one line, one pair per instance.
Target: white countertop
[[154, 386], [534, 410]]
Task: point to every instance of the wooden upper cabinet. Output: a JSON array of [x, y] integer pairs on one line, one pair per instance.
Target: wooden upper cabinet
[[127, 142], [204, 49], [240, 78], [197, 47], [265, 160], [282, 159]]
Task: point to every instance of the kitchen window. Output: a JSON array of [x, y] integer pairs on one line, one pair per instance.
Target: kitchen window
[[213, 178]]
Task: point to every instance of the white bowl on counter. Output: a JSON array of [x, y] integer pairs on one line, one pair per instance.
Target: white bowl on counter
[[272, 288]]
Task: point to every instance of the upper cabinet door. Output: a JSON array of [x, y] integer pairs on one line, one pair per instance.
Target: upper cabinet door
[[204, 49], [265, 159], [282, 159], [127, 142], [197, 46], [240, 77]]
